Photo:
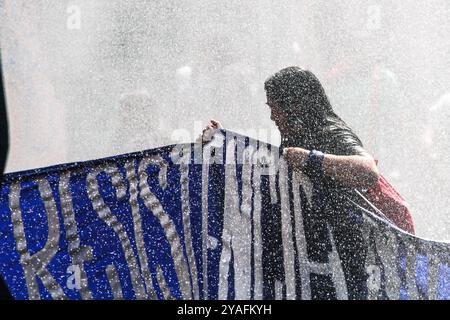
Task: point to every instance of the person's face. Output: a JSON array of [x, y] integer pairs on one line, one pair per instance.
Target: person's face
[[278, 116]]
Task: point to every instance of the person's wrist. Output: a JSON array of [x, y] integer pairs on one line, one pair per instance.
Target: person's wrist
[[315, 161], [295, 156]]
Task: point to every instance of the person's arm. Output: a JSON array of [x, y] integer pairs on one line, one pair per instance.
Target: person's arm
[[356, 171], [208, 132]]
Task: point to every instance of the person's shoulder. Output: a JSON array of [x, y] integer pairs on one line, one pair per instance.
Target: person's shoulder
[[342, 140], [339, 130]]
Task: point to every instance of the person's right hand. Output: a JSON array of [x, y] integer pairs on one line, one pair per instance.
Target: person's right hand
[[208, 132]]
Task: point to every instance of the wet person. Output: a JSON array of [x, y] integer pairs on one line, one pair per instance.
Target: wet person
[[311, 130], [318, 142]]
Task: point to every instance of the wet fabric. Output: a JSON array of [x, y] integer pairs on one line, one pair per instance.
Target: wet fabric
[[338, 139], [224, 220]]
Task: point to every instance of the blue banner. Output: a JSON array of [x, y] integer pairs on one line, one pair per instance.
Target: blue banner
[[223, 220]]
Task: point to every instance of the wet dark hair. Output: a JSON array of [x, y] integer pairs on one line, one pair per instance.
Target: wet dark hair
[[303, 100], [299, 94]]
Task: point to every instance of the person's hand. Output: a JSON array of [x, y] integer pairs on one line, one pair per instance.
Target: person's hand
[[209, 131], [296, 157]]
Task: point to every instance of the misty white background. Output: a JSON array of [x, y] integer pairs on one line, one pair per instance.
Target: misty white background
[[87, 79]]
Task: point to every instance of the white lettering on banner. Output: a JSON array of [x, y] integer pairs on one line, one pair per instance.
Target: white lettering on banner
[[114, 282], [257, 233], [36, 265], [373, 286], [231, 208], [138, 230], [382, 264], [271, 166], [273, 189], [237, 224], [205, 231], [242, 231], [373, 270], [79, 254], [186, 218], [154, 205], [211, 153], [163, 284], [302, 181], [387, 249], [411, 267], [278, 290], [433, 275], [104, 213], [238, 151], [333, 267], [286, 231]]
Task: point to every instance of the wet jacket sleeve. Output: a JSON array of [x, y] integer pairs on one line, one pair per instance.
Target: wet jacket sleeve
[[343, 141]]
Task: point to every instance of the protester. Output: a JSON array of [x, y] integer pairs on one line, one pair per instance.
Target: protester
[[318, 142], [311, 131]]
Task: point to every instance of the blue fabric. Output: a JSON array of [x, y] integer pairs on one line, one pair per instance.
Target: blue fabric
[[229, 266]]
